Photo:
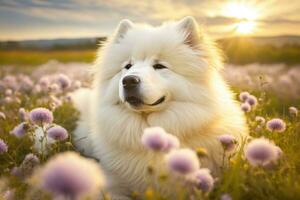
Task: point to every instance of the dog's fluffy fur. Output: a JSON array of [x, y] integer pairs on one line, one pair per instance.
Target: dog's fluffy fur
[[198, 106]]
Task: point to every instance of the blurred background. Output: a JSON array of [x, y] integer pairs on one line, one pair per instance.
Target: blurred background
[[260, 39]]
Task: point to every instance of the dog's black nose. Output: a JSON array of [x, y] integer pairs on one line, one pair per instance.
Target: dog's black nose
[[130, 81]]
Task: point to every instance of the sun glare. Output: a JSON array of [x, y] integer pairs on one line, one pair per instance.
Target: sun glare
[[246, 14], [245, 27], [240, 11]]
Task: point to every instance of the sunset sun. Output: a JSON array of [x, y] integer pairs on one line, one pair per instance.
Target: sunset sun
[[245, 15]]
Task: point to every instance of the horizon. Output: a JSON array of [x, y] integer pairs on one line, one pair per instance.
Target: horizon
[[105, 36], [71, 19]]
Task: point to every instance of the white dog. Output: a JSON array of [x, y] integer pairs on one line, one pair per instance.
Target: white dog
[[146, 76]]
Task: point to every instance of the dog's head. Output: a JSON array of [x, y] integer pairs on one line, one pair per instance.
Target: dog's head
[[145, 68]]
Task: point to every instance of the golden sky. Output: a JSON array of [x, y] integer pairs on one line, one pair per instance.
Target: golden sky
[[37, 19]]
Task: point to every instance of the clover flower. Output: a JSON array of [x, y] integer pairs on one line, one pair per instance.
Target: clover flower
[[2, 115], [225, 197], [41, 116], [203, 180], [8, 92], [9, 195], [182, 161], [260, 119], [276, 124], [31, 159], [251, 100], [260, 152], [54, 88], [57, 133], [154, 138], [293, 111], [20, 130], [68, 175], [3, 147], [16, 171], [44, 83], [22, 115], [63, 81], [228, 142], [244, 96], [245, 107], [172, 143]]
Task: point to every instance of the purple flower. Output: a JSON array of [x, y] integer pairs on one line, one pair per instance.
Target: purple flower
[[251, 100], [260, 152], [29, 163], [272, 164], [20, 130], [293, 111], [260, 119], [44, 82], [26, 83], [8, 92], [278, 152], [2, 115], [69, 175], [172, 143], [54, 88], [203, 180], [245, 107], [182, 161], [31, 159], [63, 81], [57, 133], [41, 115], [276, 124], [3, 147], [9, 195], [22, 114], [228, 142], [16, 171], [8, 100], [243, 96], [225, 197], [155, 138]]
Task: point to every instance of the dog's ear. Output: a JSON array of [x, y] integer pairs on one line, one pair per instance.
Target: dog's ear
[[122, 29], [191, 30]]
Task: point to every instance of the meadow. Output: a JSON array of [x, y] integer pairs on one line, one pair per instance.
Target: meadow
[[29, 81]]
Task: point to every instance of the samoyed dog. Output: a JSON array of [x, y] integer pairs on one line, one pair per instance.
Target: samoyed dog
[[166, 76]]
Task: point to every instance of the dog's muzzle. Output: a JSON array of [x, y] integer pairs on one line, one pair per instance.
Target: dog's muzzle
[[131, 85]]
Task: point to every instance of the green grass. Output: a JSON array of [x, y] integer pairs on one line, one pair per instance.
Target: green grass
[[35, 57], [236, 51], [239, 179]]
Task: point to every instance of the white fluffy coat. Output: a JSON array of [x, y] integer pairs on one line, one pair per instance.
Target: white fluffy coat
[[198, 108]]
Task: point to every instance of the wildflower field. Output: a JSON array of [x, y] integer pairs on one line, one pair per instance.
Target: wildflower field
[[38, 159]]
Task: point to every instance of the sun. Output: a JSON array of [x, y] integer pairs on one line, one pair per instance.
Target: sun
[[245, 14]]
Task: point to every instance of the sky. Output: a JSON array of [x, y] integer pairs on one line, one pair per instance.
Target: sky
[[41, 19]]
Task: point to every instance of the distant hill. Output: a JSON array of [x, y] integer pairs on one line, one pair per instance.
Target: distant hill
[[237, 50], [277, 41], [48, 44]]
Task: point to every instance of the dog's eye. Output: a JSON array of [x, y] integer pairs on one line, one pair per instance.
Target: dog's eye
[[128, 66], [159, 66]]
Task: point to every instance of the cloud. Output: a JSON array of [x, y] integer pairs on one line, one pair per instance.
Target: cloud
[[99, 16]]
